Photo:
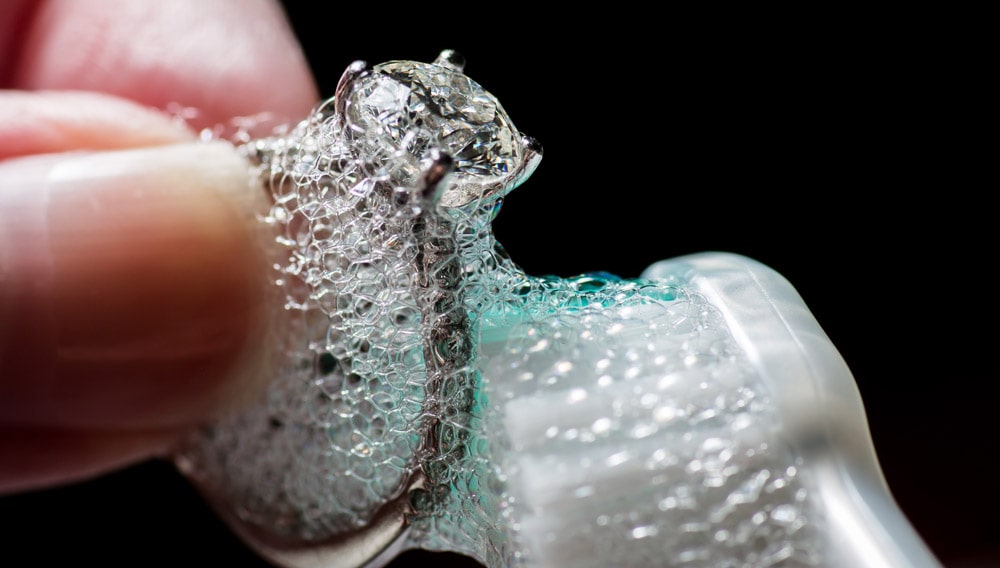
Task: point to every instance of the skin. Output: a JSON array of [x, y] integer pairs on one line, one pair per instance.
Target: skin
[[132, 263]]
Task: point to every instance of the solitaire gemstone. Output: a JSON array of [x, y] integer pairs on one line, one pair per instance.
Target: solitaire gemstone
[[415, 107]]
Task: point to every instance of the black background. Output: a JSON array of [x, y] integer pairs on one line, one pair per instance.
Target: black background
[[835, 149]]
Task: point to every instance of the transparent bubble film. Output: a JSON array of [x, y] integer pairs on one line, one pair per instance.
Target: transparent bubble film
[[588, 422]]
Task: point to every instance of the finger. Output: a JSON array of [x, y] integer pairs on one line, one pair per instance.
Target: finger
[[38, 458], [223, 58], [132, 289], [60, 121]]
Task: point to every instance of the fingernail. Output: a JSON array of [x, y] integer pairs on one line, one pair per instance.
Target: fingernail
[[132, 286]]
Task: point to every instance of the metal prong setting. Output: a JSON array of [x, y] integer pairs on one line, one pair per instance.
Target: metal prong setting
[[438, 168], [353, 72], [532, 157], [451, 59], [532, 152]]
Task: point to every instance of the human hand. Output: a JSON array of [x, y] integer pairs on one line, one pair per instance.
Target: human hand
[[131, 296]]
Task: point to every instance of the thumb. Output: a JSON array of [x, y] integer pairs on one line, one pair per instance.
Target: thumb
[[132, 300]]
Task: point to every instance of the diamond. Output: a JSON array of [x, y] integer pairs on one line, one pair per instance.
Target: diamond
[[413, 108]]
